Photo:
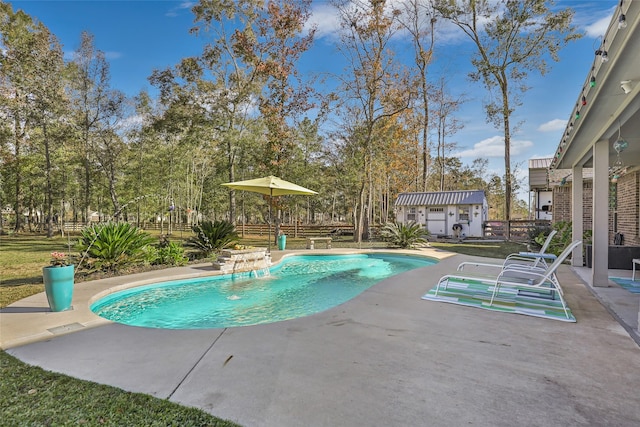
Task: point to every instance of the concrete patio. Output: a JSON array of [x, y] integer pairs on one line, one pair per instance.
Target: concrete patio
[[385, 358]]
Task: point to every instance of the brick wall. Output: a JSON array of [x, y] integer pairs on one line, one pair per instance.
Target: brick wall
[[562, 204], [627, 201]]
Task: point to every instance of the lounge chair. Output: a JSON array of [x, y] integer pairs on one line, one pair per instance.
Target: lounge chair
[[521, 279], [535, 260]]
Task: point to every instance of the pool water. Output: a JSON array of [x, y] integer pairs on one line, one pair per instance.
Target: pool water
[[297, 287]]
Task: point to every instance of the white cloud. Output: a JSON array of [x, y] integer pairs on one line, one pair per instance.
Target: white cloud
[[494, 147], [174, 11], [112, 55], [132, 122], [326, 20], [552, 125], [598, 28]]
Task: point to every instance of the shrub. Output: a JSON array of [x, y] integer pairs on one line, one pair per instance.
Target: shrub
[[408, 235], [111, 246], [213, 236], [537, 235], [563, 238], [171, 254]]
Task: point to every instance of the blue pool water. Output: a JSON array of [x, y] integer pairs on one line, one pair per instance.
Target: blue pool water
[[297, 287]]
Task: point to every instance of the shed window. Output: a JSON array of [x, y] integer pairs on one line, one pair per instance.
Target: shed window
[[463, 213], [411, 214]]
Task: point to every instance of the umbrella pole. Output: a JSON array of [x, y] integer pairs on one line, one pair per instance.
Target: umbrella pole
[[269, 244]]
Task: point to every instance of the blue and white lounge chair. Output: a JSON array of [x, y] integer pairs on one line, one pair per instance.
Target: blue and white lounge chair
[[519, 278]]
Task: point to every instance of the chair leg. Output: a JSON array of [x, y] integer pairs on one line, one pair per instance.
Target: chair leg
[[496, 289], [446, 280]]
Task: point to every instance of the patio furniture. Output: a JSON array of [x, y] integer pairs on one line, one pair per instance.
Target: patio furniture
[[311, 242], [522, 259], [534, 281]]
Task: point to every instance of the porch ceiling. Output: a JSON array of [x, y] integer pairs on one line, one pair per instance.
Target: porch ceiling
[[609, 110]]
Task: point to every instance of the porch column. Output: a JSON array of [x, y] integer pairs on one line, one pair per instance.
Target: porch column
[[577, 217], [600, 256]]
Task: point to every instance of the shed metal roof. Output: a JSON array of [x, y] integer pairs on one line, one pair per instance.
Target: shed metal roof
[[441, 198], [540, 163]]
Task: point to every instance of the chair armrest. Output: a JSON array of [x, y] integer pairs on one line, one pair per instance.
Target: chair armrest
[[537, 255]]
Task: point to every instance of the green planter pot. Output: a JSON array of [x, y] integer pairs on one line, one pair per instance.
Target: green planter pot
[[58, 285]]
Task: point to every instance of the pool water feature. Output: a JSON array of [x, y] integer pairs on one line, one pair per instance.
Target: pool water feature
[[296, 287]]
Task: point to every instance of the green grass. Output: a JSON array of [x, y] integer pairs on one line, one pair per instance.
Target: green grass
[[32, 396], [497, 249]]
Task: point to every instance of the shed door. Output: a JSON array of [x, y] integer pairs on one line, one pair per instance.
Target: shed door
[[436, 221]]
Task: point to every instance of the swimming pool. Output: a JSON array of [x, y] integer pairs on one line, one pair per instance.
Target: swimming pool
[[297, 287]]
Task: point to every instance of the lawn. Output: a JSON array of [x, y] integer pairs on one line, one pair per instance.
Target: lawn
[[32, 396]]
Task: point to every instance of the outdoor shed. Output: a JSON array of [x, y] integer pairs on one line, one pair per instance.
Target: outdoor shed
[[438, 211]]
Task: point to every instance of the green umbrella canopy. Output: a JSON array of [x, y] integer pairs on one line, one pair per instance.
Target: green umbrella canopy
[[269, 185]]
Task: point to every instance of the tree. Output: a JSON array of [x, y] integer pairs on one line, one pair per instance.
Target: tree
[[376, 89], [512, 39], [94, 105], [49, 111], [445, 125], [285, 97], [419, 20], [234, 80], [17, 71], [32, 103]]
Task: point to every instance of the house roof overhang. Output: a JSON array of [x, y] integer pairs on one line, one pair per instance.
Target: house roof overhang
[[610, 111]]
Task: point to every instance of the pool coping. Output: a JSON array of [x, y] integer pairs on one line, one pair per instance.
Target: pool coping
[[30, 319]]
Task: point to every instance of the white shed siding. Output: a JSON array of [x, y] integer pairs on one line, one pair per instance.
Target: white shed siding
[[439, 211]]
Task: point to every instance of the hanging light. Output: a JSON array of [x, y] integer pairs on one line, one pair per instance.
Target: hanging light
[[622, 21], [577, 114], [592, 82], [604, 55], [584, 100], [620, 145], [570, 126]]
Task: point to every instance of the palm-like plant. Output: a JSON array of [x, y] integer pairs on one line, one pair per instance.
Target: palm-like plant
[[112, 245], [213, 236], [408, 235]]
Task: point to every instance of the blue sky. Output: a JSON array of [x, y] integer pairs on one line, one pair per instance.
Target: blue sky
[[139, 36]]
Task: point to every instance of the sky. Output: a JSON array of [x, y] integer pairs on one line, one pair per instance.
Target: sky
[[138, 36]]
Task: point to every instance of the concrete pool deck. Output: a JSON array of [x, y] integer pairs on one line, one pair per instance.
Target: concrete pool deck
[[385, 358]]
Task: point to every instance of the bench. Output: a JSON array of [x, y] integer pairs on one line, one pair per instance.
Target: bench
[[311, 242]]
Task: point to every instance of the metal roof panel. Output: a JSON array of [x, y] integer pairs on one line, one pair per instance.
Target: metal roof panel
[[441, 198]]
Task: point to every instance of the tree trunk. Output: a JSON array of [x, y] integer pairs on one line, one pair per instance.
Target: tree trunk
[[507, 157], [17, 208], [112, 192], [47, 172]]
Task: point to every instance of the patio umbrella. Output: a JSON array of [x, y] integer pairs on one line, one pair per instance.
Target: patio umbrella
[[270, 186]]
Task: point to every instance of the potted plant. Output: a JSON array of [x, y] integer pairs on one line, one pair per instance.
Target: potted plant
[[58, 282]]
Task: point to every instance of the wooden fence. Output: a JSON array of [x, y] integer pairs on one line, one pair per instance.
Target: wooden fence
[[518, 230], [305, 230]]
